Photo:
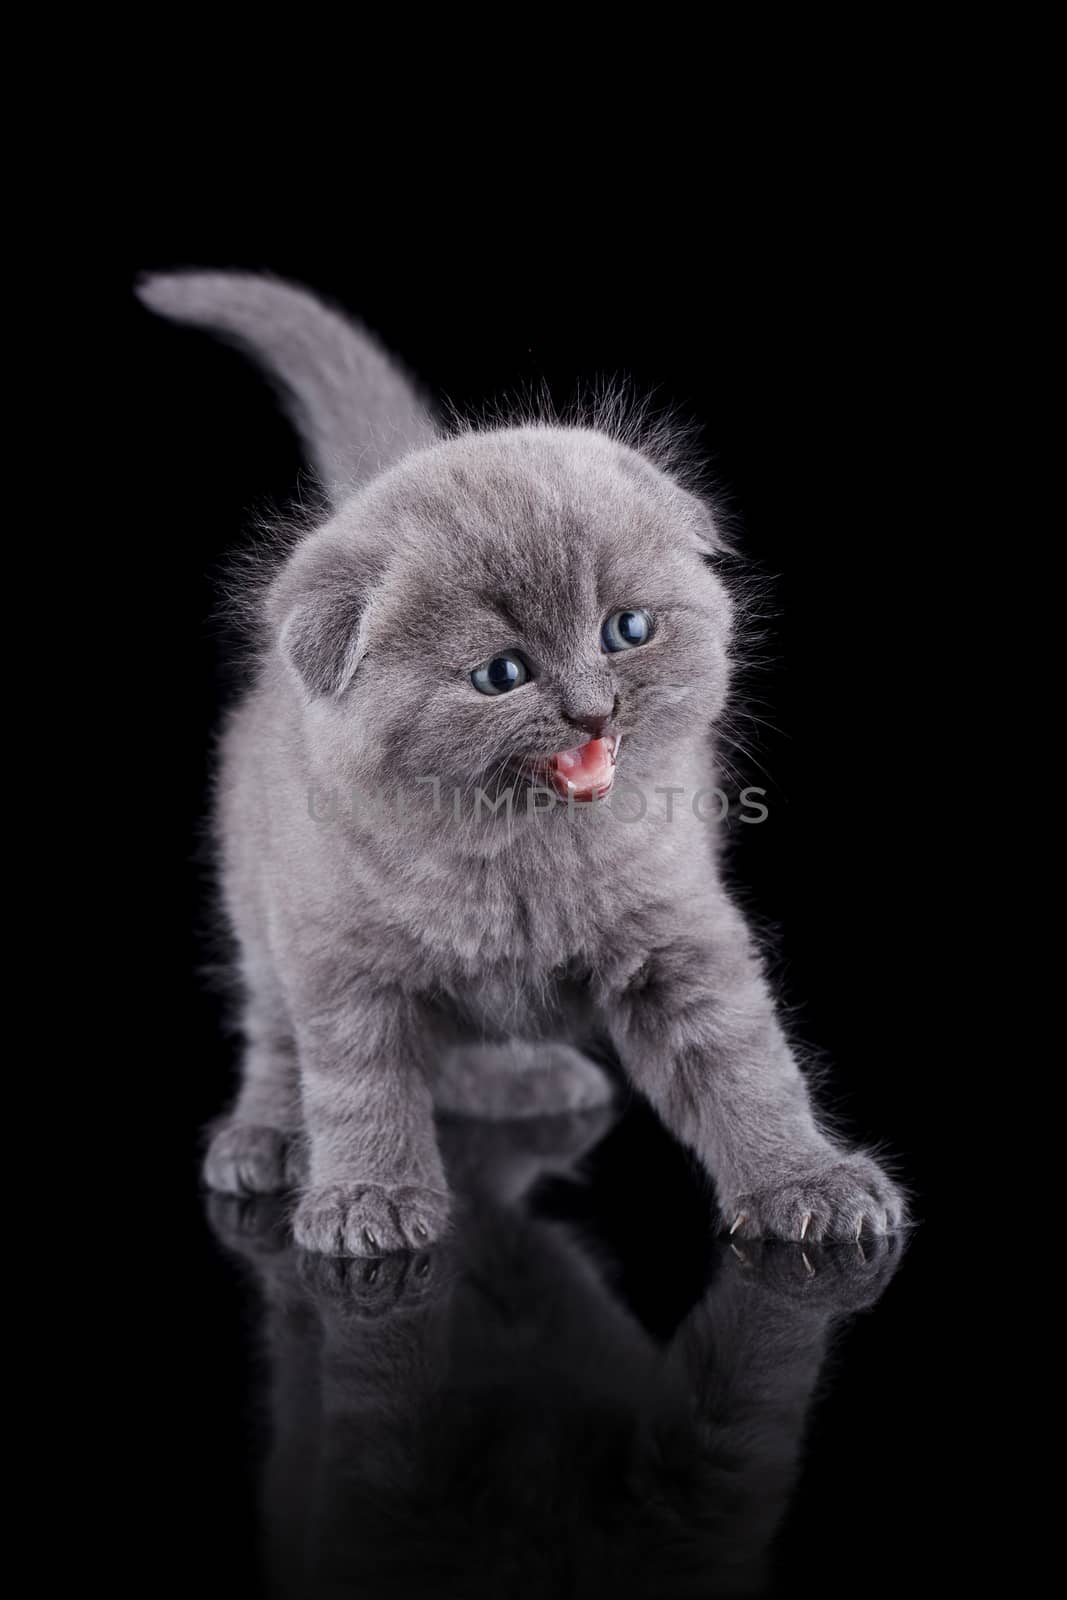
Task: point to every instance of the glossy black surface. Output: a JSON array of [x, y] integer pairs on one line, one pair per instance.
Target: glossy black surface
[[583, 1393]]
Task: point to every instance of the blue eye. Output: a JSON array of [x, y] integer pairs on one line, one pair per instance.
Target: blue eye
[[625, 630], [500, 675]]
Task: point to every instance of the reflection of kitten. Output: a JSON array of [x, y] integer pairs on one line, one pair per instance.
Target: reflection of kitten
[[489, 1419], [484, 612]]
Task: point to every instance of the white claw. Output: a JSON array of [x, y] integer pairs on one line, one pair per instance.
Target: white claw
[[742, 1216], [808, 1265], [805, 1224]]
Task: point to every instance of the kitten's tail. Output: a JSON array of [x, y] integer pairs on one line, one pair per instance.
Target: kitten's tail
[[355, 409]]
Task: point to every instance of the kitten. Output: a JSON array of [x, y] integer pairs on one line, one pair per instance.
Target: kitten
[[491, 1418], [487, 622]]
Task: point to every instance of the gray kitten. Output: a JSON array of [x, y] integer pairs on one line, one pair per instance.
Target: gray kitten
[[492, 628]]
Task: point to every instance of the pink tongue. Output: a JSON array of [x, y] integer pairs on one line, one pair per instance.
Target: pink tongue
[[585, 772]]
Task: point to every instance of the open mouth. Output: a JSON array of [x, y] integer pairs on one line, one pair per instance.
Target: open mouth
[[585, 773]]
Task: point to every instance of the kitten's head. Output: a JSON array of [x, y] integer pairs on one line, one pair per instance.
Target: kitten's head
[[517, 602]]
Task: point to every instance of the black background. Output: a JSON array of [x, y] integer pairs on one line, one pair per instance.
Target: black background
[[811, 340]]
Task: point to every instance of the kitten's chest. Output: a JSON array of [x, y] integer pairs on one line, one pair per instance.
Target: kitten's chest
[[514, 935], [491, 922], [519, 922], [511, 963]]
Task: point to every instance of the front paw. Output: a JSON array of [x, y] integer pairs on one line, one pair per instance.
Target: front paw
[[370, 1219], [250, 1158], [845, 1197]]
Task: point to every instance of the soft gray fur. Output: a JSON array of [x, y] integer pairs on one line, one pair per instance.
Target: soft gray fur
[[373, 945]]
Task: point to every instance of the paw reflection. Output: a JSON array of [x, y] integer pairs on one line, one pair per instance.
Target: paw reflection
[[487, 1417]]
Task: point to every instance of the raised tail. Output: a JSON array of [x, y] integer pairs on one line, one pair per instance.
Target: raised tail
[[355, 409]]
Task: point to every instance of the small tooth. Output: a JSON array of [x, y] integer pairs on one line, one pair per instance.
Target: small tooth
[[737, 1223], [615, 748]]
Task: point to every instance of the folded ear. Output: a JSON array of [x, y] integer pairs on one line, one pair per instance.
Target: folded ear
[[317, 608], [323, 639], [702, 522], [690, 510]]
